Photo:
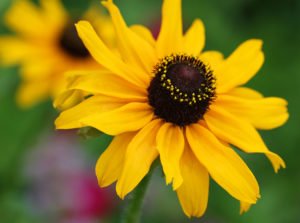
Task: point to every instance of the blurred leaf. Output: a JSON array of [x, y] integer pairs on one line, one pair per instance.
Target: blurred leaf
[[19, 128], [4, 5], [14, 209], [96, 146], [78, 8]]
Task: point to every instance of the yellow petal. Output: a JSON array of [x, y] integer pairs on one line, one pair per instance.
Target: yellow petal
[[54, 13], [244, 207], [223, 164], [134, 49], [14, 50], [130, 117], [265, 113], [103, 25], [245, 92], [32, 92], [193, 193], [170, 39], [72, 118], [107, 58], [72, 74], [26, 19], [213, 59], [239, 132], [68, 99], [240, 66], [110, 164], [194, 39], [143, 32], [140, 154], [170, 145], [36, 68], [106, 83]]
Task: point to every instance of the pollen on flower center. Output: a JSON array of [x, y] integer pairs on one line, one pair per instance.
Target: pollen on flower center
[[182, 89], [71, 43]]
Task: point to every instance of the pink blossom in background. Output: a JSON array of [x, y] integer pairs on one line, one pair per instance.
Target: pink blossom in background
[[62, 186]]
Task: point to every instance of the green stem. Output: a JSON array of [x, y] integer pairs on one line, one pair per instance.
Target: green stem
[[133, 211]]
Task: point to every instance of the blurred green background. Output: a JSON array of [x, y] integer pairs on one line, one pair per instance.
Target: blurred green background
[[228, 23]]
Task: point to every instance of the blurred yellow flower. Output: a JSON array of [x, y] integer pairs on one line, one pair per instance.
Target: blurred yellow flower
[[167, 98], [46, 45]]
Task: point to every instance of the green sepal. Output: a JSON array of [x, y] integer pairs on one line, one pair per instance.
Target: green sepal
[[89, 133]]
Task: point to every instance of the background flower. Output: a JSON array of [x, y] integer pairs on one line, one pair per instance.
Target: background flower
[[46, 45], [61, 186]]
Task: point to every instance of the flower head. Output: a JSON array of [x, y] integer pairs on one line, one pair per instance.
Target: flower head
[[47, 45], [167, 98]]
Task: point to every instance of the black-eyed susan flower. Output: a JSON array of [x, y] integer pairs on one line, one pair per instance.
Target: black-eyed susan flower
[[47, 45], [166, 98]]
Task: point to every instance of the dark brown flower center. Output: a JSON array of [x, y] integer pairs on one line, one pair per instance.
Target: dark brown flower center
[[181, 90], [71, 43]]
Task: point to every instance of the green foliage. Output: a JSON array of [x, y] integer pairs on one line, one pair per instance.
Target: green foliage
[[78, 8]]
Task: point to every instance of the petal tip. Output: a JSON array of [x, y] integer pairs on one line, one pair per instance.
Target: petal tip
[[101, 182], [107, 3], [244, 207], [119, 192], [187, 213], [81, 22], [242, 211], [276, 161], [168, 180], [254, 44], [177, 183], [199, 22], [279, 166], [258, 195], [259, 42], [286, 118], [57, 123]]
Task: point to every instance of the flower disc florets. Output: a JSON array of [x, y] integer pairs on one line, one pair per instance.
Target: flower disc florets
[[182, 89], [71, 43]]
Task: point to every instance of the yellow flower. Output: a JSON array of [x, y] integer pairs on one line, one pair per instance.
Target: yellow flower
[[46, 45], [167, 98]]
